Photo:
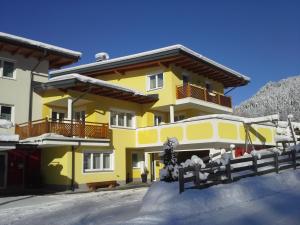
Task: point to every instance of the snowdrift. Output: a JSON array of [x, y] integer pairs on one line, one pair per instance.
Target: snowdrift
[[165, 197]]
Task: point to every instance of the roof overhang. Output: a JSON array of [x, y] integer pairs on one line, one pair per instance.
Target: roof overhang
[[177, 55], [63, 141], [57, 56], [77, 82]]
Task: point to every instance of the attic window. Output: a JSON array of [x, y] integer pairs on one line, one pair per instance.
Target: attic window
[[155, 81]]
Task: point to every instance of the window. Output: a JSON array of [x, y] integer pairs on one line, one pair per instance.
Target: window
[[179, 117], [157, 120], [185, 79], [6, 112], [58, 116], [208, 86], [7, 69], [136, 158], [97, 161], [79, 116], [121, 119], [155, 81]]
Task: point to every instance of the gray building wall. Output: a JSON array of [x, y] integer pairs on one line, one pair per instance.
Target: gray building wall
[[15, 92]]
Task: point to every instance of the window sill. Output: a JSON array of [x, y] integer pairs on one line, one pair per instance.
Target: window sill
[[8, 78], [118, 127], [97, 171], [155, 89]]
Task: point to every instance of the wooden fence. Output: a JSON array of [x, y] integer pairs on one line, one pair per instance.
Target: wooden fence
[[65, 128], [237, 169]]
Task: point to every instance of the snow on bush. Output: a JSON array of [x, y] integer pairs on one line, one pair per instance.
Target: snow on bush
[[165, 197], [170, 171]]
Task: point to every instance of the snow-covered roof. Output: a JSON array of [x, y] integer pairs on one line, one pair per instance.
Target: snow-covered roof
[[161, 52], [5, 124], [38, 44], [71, 81], [94, 81], [9, 138]]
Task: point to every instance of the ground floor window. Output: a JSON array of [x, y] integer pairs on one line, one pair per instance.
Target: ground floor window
[[97, 161], [136, 159]]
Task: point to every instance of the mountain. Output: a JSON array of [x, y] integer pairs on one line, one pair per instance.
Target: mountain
[[281, 97]]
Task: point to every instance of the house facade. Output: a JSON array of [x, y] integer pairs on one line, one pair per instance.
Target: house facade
[[23, 64], [107, 120]]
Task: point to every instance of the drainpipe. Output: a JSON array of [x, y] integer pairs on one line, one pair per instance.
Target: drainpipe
[[73, 147], [31, 84]]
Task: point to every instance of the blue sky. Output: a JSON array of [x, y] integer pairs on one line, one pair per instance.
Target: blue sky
[[260, 39]]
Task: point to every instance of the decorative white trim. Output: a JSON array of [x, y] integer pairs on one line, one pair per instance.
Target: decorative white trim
[[203, 104]]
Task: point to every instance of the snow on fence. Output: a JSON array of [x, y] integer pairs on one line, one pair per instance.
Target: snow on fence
[[235, 169]]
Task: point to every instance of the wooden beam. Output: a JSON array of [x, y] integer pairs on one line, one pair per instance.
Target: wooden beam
[[29, 54], [16, 51]]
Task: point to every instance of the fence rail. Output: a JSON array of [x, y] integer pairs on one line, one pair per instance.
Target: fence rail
[[236, 168], [65, 128], [194, 91]]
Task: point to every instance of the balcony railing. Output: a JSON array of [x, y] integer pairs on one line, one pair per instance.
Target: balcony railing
[[65, 128], [190, 90]]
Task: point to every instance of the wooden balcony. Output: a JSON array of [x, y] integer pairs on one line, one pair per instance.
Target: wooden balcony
[[194, 91], [65, 128]]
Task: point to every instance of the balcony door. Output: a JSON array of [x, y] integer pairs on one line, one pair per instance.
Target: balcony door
[[3, 165], [185, 80]]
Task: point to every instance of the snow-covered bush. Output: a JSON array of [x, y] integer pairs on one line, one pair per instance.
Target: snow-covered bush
[[170, 171]]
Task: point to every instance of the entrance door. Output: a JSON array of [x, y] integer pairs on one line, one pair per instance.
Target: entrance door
[[2, 170]]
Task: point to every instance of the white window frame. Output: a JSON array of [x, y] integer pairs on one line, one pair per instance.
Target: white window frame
[[156, 81], [101, 169], [12, 111], [2, 60], [158, 115], [125, 118]]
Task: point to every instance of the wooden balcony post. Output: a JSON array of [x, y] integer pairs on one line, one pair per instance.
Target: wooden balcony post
[[188, 90], [47, 129]]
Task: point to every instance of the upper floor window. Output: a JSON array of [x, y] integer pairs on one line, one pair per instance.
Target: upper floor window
[[6, 112], [157, 120], [155, 81], [122, 119], [79, 116], [58, 116], [7, 69], [179, 117]]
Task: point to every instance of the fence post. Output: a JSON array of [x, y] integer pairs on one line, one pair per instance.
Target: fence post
[[254, 159], [276, 162], [294, 159], [181, 180], [197, 171], [228, 171]]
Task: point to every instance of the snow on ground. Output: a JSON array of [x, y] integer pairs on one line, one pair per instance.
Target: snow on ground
[[272, 199], [109, 207]]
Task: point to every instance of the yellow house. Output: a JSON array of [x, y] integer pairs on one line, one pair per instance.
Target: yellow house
[[107, 120]]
